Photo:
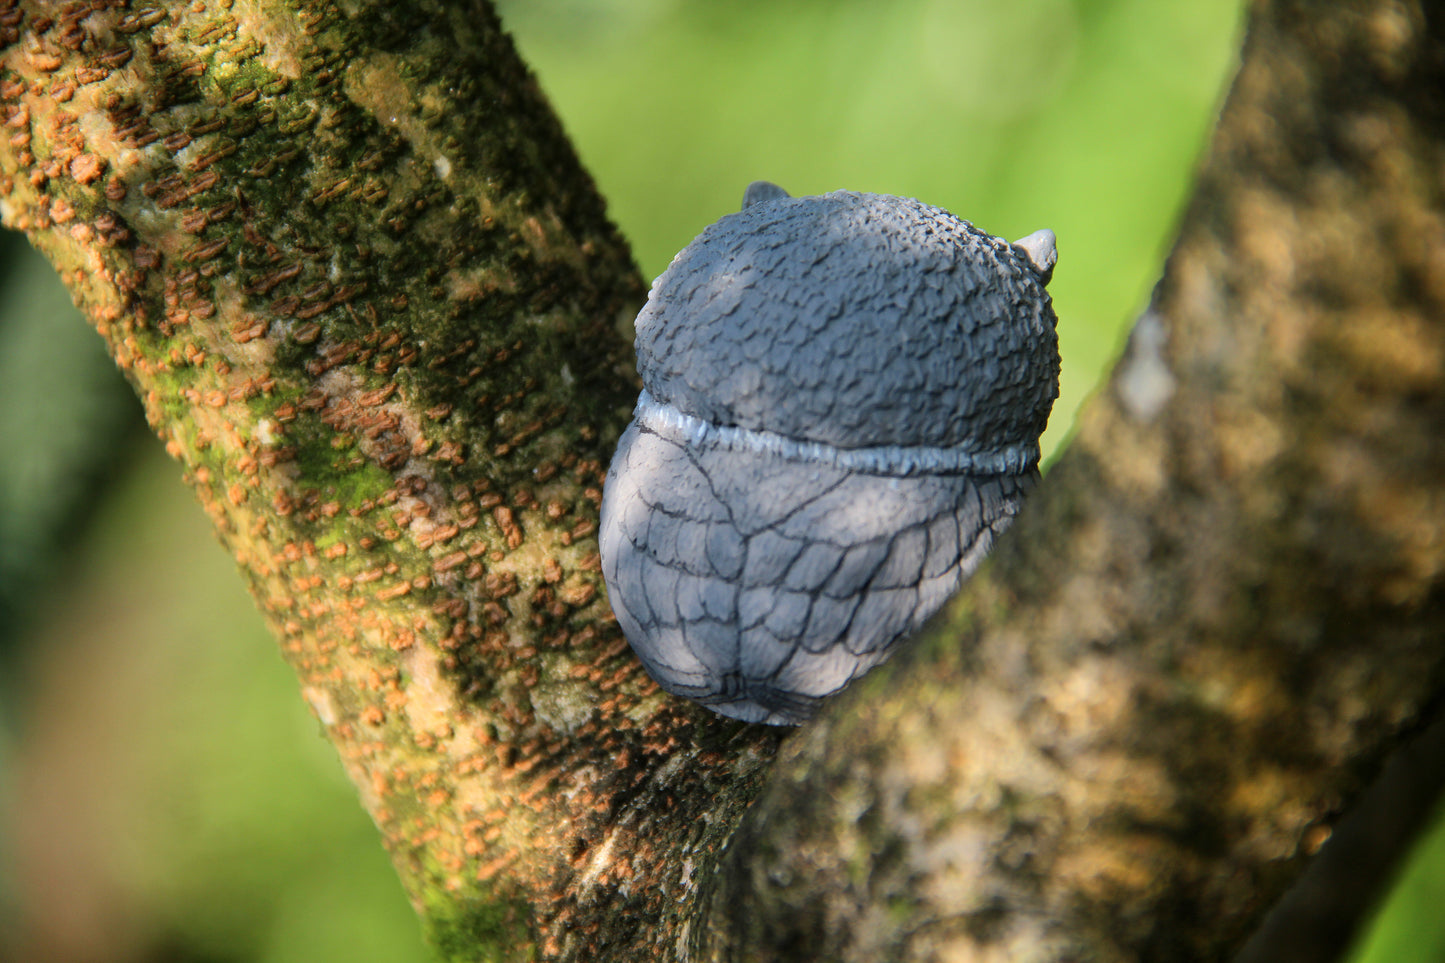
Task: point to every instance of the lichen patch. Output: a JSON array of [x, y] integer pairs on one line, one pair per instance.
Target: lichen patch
[[278, 33], [379, 86]]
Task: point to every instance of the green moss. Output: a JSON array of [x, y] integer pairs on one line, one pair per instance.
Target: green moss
[[265, 406], [234, 77], [334, 473], [478, 930], [170, 387], [333, 533]]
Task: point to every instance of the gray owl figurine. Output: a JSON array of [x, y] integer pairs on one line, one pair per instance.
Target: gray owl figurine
[[843, 397]]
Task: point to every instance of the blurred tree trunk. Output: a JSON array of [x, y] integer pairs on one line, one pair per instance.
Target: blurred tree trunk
[[373, 304]]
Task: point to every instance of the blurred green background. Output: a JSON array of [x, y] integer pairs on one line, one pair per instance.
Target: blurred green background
[[164, 795]]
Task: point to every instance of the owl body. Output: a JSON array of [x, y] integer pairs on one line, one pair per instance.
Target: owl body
[[842, 406]]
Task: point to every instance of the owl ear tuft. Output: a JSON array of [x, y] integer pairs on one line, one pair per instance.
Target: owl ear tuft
[[759, 191], [1041, 248]]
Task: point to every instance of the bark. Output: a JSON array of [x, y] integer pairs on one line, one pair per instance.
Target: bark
[[372, 302]]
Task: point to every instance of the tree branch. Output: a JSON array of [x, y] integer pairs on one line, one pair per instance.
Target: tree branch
[[1221, 609], [371, 301]]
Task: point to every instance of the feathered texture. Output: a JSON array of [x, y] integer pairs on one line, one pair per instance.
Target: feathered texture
[[843, 401]]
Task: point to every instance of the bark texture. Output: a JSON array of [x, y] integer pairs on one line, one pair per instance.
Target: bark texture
[[349, 261], [372, 302]]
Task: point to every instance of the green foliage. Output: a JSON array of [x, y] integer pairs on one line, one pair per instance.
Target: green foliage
[[1409, 927], [57, 434]]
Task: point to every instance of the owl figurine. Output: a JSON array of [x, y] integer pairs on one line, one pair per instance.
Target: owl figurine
[[843, 396]]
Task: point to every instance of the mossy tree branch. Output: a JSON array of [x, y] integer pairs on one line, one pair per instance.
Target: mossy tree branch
[[373, 304]]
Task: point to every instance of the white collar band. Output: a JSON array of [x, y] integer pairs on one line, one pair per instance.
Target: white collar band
[[899, 461]]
